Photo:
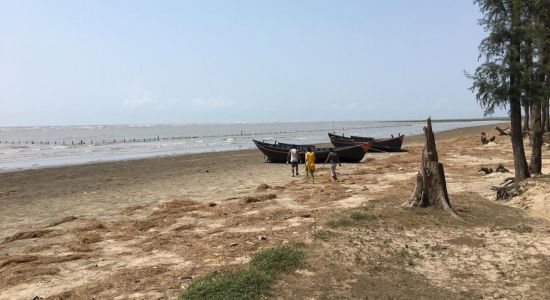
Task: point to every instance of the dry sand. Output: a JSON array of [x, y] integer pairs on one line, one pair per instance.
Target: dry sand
[[142, 229]]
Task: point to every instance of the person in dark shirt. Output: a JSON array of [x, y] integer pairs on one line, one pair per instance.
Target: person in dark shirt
[[332, 159]]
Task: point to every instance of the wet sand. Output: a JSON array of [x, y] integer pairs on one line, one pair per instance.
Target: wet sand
[[35, 198]]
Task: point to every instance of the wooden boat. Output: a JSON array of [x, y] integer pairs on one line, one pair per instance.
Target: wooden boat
[[277, 153], [300, 147], [380, 145]]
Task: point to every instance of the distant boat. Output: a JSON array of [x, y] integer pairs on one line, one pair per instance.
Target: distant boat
[[392, 144], [277, 153]]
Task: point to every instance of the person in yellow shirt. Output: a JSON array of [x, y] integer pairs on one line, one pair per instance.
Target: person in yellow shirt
[[310, 164]]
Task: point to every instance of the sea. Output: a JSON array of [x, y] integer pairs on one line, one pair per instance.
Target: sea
[[47, 146]]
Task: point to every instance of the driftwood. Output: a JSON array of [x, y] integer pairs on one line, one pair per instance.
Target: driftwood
[[500, 169], [486, 170], [507, 189], [505, 192], [508, 181], [505, 131], [431, 187], [485, 139]]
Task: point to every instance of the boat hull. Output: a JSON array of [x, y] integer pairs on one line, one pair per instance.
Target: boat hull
[[380, 145], [278, 153]]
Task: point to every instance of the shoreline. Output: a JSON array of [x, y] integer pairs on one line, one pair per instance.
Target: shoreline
[[408, 140], [108, 187]]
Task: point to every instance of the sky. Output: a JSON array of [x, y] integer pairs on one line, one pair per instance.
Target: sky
[[118, 62]]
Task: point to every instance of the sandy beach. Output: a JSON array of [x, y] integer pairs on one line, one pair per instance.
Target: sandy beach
[[143, 229]]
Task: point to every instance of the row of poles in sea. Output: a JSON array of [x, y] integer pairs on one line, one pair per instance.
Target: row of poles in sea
[[91, 142], [158, 138]]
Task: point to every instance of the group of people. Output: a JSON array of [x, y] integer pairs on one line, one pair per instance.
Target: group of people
[[294, 159]]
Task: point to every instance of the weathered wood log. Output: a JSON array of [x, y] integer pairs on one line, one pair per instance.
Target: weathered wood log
[[486, 170], [508, 181], [502, 169], [501, 131], [505, 192], [431, 187]]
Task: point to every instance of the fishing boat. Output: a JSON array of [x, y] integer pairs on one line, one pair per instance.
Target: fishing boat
[[392, 144], [278, 152]]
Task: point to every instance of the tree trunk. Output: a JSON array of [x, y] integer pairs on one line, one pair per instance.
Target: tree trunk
[[544, 117], [545, 101], [532, 78], [520, 163], [536, 139], [526, 118], [431, 187]]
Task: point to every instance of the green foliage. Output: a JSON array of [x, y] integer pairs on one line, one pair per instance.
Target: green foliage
[[517, 47], [278, 260], [248, 283]]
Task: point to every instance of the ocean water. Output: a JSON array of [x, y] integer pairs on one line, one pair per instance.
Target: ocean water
[[45, 146]]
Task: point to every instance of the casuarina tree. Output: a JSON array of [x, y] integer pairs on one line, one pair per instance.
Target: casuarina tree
[[498, 80], [535, 52]]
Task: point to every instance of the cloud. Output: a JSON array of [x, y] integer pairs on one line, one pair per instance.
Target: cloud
[[209, 103]]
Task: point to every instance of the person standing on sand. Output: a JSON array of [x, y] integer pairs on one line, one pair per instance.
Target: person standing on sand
[[332, 159], [294, 159], [310, 164]]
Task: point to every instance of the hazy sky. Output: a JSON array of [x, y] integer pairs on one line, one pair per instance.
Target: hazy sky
[[105, 62]]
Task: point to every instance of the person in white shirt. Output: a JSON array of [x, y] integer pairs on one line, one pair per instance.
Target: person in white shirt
[[294, 159]]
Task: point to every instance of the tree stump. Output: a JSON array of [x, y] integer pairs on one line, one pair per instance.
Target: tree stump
[[431, 187]]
